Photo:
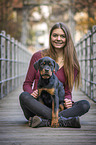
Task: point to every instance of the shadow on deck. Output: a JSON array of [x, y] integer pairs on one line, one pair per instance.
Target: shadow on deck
[[14, 128]]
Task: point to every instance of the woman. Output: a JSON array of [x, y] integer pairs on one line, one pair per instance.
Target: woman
[[61, 49]]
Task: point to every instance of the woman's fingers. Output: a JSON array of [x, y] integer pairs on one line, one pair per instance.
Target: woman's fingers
[[35, 94], [68, 103]]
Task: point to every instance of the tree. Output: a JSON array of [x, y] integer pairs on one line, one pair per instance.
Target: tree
[[88, 7], [8, 18]]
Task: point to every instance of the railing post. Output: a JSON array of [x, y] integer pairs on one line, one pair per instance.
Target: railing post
[[91, 66], [94, 62], [19, 58], [16, 63], [8, 63], [12, 45], [2, 63]]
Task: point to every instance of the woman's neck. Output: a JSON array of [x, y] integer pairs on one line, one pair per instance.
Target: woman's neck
[[59, 52]]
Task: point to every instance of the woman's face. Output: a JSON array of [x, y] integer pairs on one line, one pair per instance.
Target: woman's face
[[58, 38]]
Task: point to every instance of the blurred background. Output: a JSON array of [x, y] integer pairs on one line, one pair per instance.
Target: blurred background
[[29, 21]]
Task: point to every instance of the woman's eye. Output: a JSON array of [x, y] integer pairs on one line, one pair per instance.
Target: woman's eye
[[55, 35], [63, 36]]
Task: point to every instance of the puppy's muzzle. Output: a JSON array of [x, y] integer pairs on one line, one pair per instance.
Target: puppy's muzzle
[[46, 73]]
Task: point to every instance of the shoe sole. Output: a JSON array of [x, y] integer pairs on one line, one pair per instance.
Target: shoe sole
[[30, 121], [36, 121]]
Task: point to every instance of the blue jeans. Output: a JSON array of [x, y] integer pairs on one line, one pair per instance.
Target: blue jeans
[[32, 107]]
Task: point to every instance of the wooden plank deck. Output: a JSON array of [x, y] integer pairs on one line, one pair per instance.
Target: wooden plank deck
[[14, 128]]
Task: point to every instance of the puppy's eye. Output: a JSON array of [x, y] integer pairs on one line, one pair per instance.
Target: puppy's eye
[[44, 63], [41, 64], [50, 64]]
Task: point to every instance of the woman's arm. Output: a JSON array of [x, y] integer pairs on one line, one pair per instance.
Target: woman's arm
[[32, 76], [68, 98], [68, 94], [27, 85]]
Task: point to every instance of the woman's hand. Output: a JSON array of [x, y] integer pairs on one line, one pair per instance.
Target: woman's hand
[[68, 103], [35, 94]]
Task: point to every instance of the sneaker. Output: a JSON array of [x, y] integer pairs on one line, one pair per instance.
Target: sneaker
[[36, 121], [73, 122]]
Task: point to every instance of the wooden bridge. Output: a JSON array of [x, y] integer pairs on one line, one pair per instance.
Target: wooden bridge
[[14, 128]]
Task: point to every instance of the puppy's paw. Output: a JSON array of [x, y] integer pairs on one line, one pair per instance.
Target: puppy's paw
[[55, 123]]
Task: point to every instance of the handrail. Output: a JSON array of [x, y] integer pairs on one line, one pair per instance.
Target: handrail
[[86, 51], [14, 59]]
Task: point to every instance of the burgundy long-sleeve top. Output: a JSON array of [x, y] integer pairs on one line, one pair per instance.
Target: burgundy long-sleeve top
[[32, 77]]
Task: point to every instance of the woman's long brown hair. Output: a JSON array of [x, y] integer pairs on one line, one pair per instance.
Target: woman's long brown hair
[[70, 56]]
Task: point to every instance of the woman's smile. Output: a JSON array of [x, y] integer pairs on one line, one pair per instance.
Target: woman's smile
[[58, 43]]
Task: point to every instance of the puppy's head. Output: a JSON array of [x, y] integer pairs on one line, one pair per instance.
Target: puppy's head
[[46, 65]]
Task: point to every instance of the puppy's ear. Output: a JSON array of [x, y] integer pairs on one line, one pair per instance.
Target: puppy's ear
[[56, 66], [36, 65]]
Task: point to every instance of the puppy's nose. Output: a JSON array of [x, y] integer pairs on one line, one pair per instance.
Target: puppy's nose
[[46, 70]]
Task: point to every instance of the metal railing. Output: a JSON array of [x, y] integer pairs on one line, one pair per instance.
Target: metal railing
[[86, 50], [14, 59]]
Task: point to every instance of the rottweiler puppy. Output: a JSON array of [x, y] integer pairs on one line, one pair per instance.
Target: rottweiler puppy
[[50, 89]]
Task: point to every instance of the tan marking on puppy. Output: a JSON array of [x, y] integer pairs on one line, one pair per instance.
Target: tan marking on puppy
[[50, 72], [54, 122], [43, 72], [50, 91], [61, 107], [46, 77], [53, 115]]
